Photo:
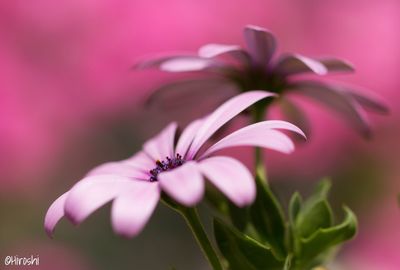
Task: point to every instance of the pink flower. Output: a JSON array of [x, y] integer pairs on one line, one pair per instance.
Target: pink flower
[[135, 184], [258, 67]]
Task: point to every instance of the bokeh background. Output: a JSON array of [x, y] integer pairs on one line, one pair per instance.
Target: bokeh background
[[69, 101]]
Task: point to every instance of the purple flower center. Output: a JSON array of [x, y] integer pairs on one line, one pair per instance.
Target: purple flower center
[[165, 165]]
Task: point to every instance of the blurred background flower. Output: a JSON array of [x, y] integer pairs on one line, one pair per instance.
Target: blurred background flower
[[68, 102]]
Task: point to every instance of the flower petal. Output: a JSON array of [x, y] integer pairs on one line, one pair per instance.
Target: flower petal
[[140, 161], [335, 64], [295, 63], [338, 100], [213, 50], [261, 44], [91, 193], [121, 168], [184, 184], [260, 134], [54, 214], [186, 138], [231, 177], [156, 61], [162, 145], [223, 114], [166, 140], [295, 115], [185, 64], [368, 100], [132, 209], [184, 93]]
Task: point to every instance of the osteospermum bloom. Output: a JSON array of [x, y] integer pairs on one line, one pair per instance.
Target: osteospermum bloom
[[257, 67], [135, 184]]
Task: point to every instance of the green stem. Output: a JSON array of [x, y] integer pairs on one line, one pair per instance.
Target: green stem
[[261, 176], [193, 221], [260, 167], [258, 115]]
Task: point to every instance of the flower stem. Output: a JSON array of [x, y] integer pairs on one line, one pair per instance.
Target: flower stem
[[192, 219], [258, 115], [275, 208], [260, 167]]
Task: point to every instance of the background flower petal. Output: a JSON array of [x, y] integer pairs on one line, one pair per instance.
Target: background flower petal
[[295, 63], [261, 44], [369, 100], [336, 64], [231, 177], [155, 62], [337, 100], [295, 115], [132, 209], [223, 114], [235, 51], [184, 184], [184, 93], [185, 64], [213, 49]]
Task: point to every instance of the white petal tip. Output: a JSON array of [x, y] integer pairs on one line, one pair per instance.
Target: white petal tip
[[185, 65], [256, 28], [213, 50]]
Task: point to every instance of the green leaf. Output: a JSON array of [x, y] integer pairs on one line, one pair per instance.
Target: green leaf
[[313, 231], [295, 205], [318, 215], [216, 199], [268, 219], [288, 262], [243, 252], [325, 238], [321, 191], [239, 216], [315, 212]]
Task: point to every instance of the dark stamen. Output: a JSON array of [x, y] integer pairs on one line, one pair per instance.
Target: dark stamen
[[165, 165]]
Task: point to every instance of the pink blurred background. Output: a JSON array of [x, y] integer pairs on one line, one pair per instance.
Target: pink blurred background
[[69, 101]]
